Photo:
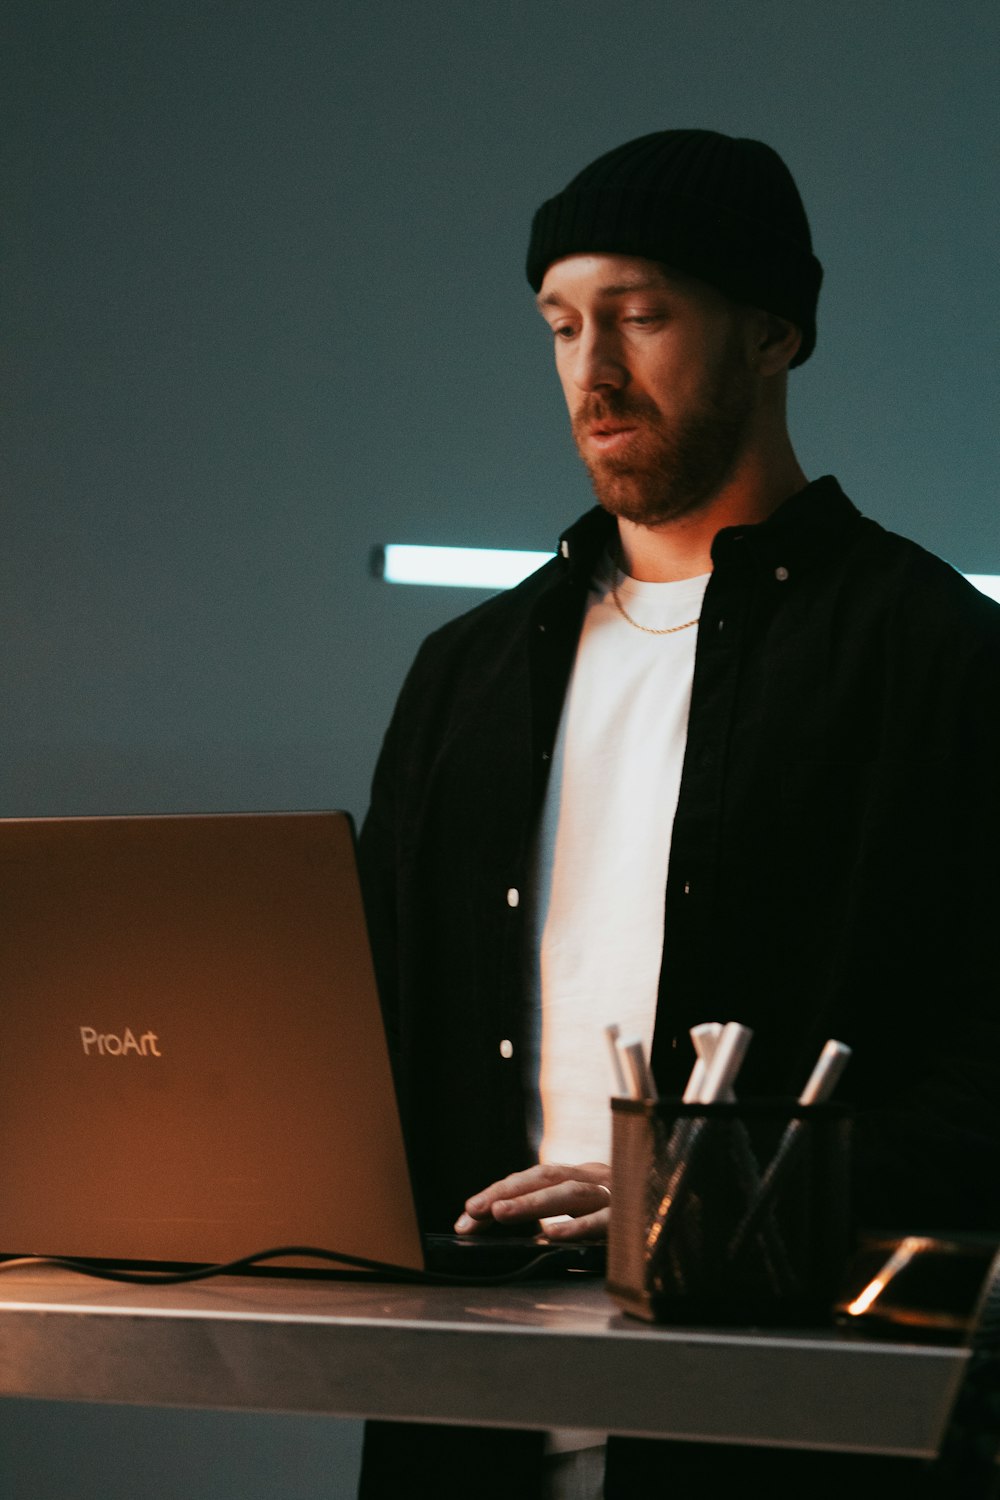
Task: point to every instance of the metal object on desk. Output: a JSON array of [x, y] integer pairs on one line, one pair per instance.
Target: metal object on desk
[[941, 1286], [970, 1447], [930, 1284], [701, 1230]]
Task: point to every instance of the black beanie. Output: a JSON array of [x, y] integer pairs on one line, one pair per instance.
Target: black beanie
[[722, 209]]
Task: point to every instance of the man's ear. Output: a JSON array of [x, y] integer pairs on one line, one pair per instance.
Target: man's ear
[[776, 344]]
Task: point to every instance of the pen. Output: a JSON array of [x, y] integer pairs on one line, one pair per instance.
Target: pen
[[819, 1086], [720, 1075], [727, 1059], [633, 1057], [705, 1038], [611, 1035], [826, 1074]]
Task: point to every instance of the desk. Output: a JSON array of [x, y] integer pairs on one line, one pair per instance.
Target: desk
[[544, 1354]]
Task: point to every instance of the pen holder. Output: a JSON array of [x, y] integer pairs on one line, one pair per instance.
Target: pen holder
[[729, 1213]]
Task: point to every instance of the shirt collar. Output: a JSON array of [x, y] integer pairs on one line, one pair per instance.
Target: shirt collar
[[809, 523]]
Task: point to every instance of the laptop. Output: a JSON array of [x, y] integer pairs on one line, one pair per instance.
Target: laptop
[[193, 1065]]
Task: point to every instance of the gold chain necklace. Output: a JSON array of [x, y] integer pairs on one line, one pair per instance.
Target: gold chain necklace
[[647, 629]]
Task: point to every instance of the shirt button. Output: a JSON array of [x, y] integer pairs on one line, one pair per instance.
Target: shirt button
[[506, 1048], [781, 574], [513, 896], [564, 548]]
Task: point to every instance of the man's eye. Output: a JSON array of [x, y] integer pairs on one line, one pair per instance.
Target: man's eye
[[562, 330]]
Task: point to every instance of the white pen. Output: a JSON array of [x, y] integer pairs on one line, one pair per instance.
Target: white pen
[[819, 1086], [633, 1056], [688, 1135], [705, 1038], [826, 1074], [611, 1034], [720, 1075]]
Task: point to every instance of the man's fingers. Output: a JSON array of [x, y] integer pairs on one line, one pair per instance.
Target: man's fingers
[[538, 1192], [573, 1198], [516, 1184], [584, 1227]]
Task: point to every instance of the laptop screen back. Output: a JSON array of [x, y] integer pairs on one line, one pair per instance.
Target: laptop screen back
[[193, 1065]]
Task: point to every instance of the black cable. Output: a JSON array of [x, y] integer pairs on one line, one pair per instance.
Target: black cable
[[548, 1256]]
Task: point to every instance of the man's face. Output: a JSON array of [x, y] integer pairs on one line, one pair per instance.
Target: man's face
[[656, 374]]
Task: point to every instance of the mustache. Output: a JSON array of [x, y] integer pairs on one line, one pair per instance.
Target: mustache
[[614, 405]]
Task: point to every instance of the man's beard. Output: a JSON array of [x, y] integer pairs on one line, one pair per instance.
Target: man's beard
[[671, 467]]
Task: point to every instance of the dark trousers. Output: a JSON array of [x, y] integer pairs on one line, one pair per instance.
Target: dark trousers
[[406, 1461]]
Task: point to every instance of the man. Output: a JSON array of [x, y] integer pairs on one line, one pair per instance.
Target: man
[[731, 755]]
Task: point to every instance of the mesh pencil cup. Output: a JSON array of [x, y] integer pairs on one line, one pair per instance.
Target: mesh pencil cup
[[729, 1213]]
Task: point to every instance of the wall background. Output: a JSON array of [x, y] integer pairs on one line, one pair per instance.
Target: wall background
[[266, 308]]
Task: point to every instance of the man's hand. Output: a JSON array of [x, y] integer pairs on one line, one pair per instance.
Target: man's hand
[[583, 1192]]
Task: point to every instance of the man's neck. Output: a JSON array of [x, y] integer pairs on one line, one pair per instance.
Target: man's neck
[[682, 548]]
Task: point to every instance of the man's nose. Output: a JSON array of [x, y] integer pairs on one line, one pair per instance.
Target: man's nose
[[598, 363]]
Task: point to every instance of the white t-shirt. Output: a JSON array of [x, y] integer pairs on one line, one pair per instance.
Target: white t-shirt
[[602, 852]]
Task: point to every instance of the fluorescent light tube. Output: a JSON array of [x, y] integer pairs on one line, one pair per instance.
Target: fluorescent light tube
[[456, 567], [987, 583], [502, 568]]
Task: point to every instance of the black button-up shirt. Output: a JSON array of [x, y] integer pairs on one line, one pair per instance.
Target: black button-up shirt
[[833, 868]]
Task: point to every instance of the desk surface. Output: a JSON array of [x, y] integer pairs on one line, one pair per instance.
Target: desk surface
[[544, 1354]]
